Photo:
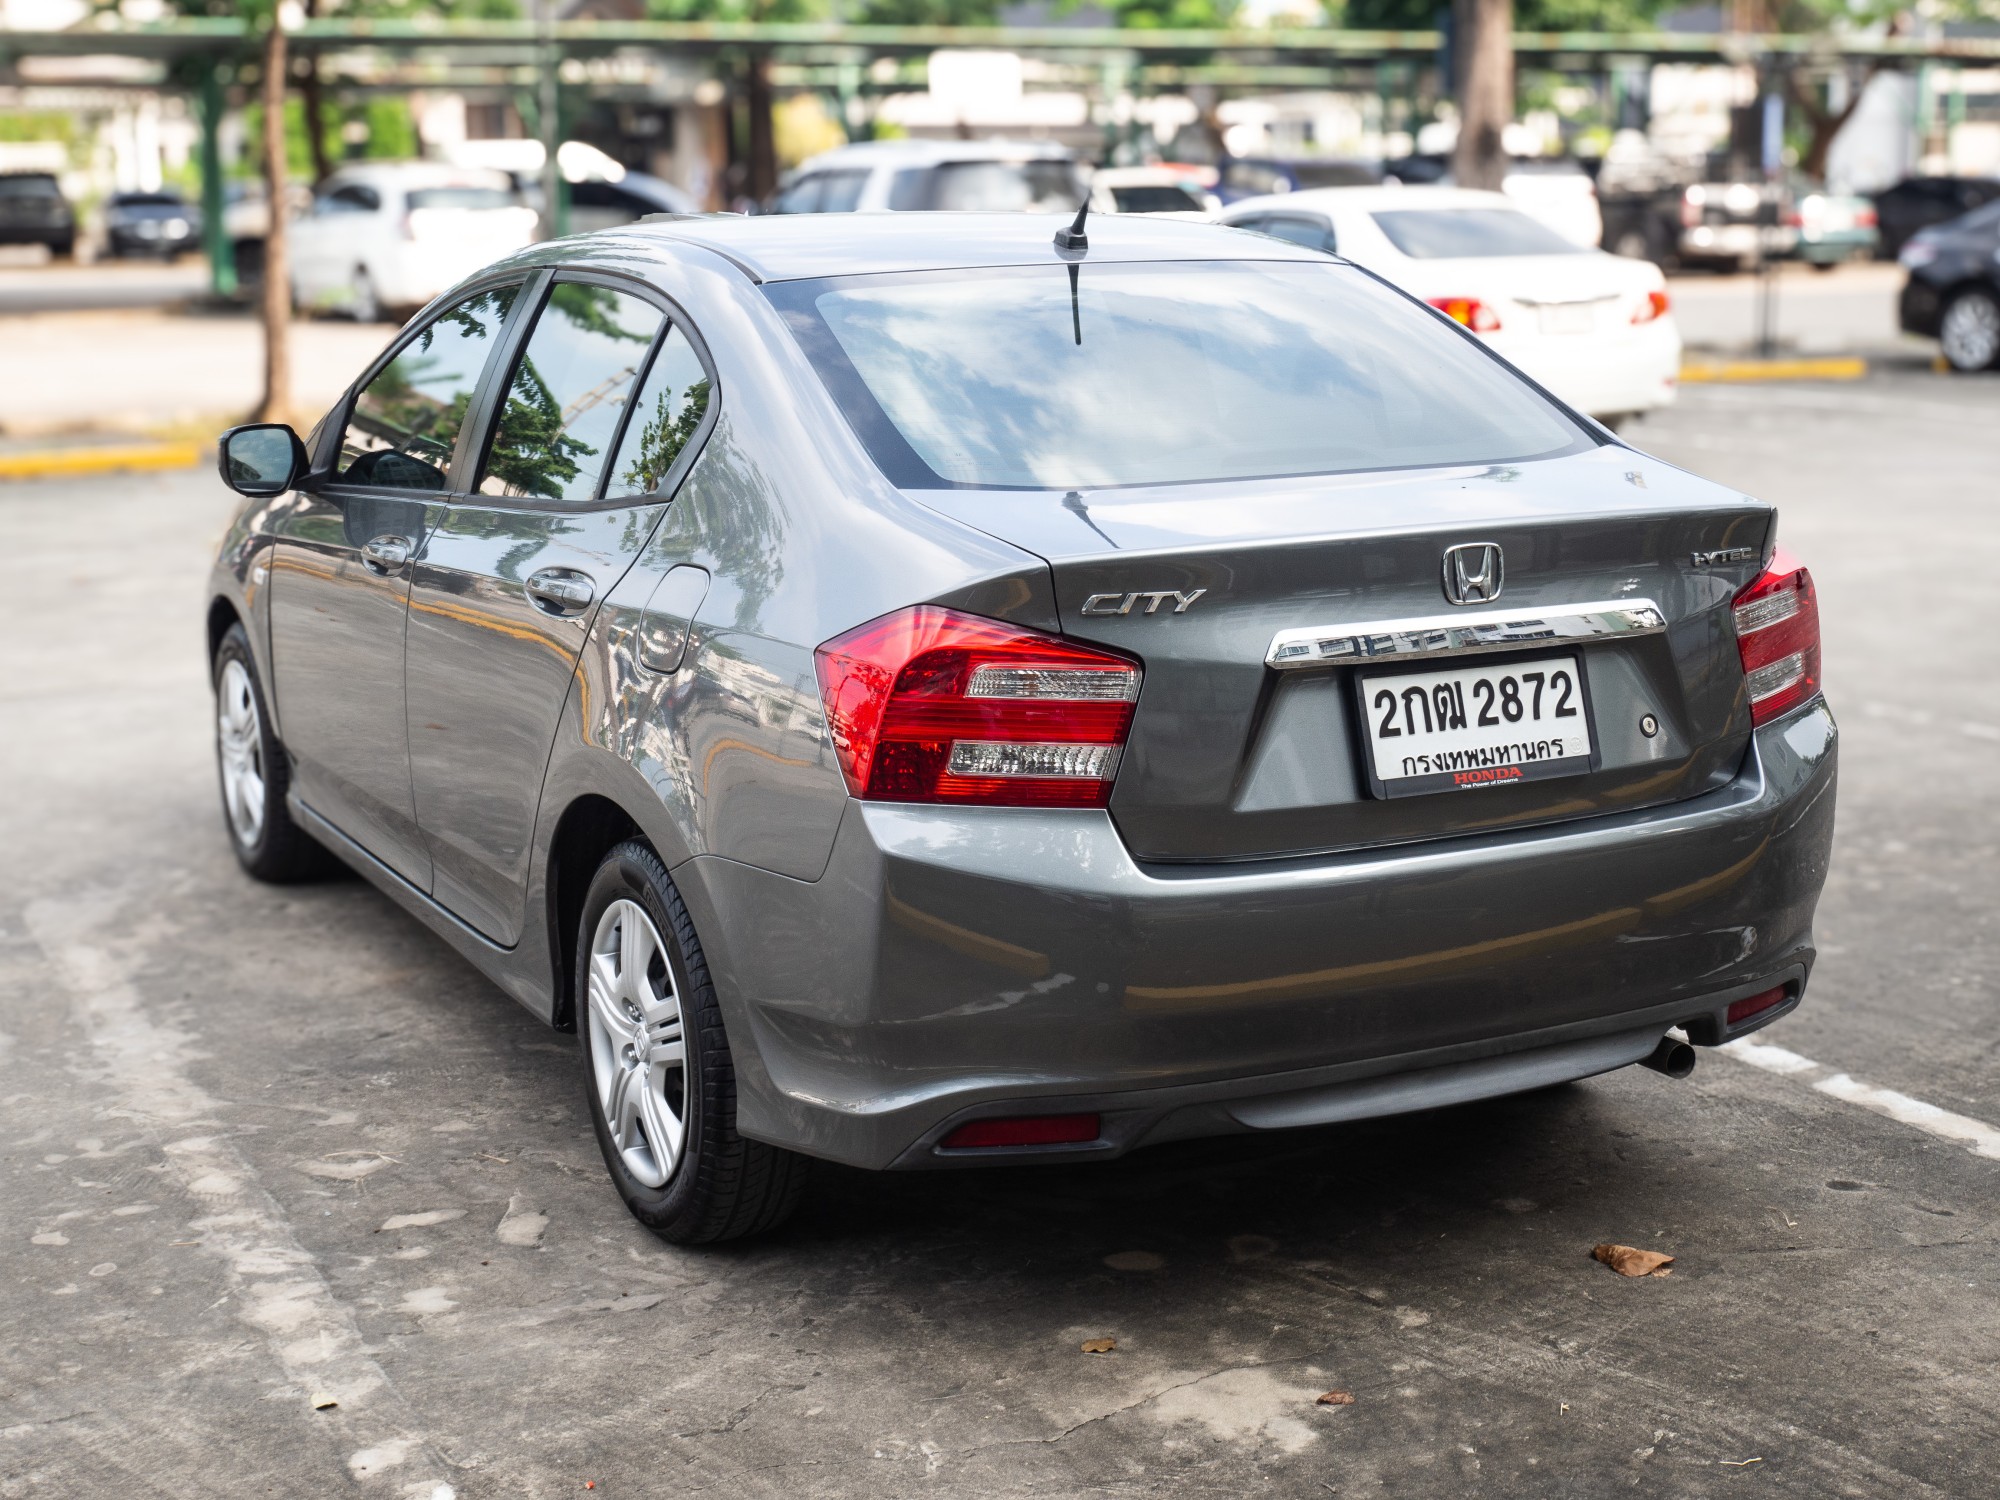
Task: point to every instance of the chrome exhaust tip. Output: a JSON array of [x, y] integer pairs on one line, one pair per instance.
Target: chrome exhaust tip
[[1673, 1057]]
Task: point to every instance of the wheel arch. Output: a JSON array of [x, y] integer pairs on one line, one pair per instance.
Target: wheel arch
[[589, 828], [222, 613]]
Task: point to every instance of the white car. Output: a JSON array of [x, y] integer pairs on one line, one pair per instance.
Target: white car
[[1150, 190], [1594, 328], [392, 235], [983, 176]]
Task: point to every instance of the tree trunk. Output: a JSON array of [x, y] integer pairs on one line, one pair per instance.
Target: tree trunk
[[1825, 124], [762, 178], [315, 109], [1485, 48], [277, 403]]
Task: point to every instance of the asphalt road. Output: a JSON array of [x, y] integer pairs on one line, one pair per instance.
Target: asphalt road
[[101, 285], [258, 1146]]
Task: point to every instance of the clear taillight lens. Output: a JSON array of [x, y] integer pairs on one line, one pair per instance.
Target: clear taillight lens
[[1470, 311], [1777, 634], [930, 705]]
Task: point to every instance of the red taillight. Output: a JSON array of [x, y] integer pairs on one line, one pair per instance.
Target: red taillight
[[1755, 1005], [1028, 1130], [1655, 306], [1865, 218], [1777, 633], [929, 705], [1470, 311]]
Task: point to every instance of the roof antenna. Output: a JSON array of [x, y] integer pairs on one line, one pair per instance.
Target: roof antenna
[[1073, 238]]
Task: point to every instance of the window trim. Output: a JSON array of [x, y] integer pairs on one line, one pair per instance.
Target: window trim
[[323, 480], [486, 409]]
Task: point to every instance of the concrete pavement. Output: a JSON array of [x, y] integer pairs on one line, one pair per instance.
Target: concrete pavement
[[263, 1147]]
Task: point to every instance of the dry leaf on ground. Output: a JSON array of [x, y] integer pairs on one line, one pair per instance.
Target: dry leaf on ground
[[1628, 1260], [1336, 1398], [1099, 1346]]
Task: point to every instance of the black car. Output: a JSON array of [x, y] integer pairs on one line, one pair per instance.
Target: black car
[[33, 211], [1919, 202], [1953, 294], [159, 223]]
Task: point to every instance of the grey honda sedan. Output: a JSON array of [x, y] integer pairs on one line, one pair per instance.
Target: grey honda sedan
[[924, 691]]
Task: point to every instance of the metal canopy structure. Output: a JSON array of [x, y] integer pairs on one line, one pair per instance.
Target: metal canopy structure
[[501, 43]]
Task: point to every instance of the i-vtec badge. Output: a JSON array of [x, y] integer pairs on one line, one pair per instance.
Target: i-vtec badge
[[1726, 555], [1124, 604]]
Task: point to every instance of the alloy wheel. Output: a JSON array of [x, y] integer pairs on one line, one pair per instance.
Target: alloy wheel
[[1970, 336], [638, 1054], [239, 734]]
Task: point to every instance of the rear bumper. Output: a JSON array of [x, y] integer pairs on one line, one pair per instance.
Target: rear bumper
[[951, 964], [1633, 370]]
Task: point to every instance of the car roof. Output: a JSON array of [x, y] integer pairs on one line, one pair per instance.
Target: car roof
[[1368, 199], [796, 247], [929, 153]]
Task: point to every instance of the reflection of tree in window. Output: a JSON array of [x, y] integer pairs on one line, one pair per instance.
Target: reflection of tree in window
[[666, 417], [406, 422], [568, 392]]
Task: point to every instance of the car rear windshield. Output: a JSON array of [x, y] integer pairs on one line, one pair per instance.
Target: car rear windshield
[[1470, 233], [1328, 174], [461, 197], [1009, 186], [1158, 198], [28, 187], [1157, 373]]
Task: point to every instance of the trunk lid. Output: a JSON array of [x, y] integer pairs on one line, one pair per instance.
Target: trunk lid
[[1232, 758]]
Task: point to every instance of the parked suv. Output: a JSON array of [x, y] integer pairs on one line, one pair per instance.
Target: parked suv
[[33, 211], [959, 176], [975, 692]]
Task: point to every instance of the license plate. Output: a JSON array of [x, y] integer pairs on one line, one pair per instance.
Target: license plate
[[1470, 728], [1574, 317]]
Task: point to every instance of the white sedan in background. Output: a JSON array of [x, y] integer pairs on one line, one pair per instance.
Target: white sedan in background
[[1593, 328], [385, 236]]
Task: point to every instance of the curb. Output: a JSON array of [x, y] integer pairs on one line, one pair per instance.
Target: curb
[[1732, 370], [94, 459]]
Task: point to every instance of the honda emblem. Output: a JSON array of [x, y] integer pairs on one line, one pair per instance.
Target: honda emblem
[[1473, 572]]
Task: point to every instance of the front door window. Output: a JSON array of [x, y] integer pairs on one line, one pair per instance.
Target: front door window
[[406, 420]]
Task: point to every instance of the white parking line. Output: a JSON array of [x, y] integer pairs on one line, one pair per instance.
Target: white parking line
[[1976, 1136]]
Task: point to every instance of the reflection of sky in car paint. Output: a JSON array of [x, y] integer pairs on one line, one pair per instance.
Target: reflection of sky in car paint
[[1184, 373]]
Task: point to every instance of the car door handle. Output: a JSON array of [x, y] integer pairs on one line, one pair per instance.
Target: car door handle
[[561, 591], [386, 554]]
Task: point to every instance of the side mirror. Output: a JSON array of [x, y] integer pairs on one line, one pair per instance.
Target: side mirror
[[261, 459]]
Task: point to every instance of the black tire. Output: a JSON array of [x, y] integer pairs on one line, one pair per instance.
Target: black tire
[[278, 850], [1969, 331], [721, 1186]]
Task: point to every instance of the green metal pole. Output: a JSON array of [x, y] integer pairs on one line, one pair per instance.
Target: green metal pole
[[214, 234]]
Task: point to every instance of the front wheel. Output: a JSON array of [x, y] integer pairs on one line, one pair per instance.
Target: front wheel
[[1969, 334], [255, 774], [659, 1079]]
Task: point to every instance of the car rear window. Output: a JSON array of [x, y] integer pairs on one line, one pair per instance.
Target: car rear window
[[1470, 233], [28, 187], [1159, 198], [1326, 174], [1009, 186], [462, 197], [1157, 373]]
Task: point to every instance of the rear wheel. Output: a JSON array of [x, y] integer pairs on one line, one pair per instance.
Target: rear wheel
[[659, 1079], [1969, 334], [255, 775]]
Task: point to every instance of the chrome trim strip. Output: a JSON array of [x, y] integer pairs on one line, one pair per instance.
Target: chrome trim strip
[[1462, 634]]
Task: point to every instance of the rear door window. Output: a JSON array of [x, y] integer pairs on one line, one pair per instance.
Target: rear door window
[[1009, 186], [802, 197], [665, 419], [571, 385], [841, 191], [406, 421]]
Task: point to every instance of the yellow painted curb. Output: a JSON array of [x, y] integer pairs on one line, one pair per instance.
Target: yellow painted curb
[[104, 459], [1775, 369]]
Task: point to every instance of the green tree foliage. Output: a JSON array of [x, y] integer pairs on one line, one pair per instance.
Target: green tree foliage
[[926, 13], [737, 10], [1529, 15], [593, 309], [663, 437], [531, 452]]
